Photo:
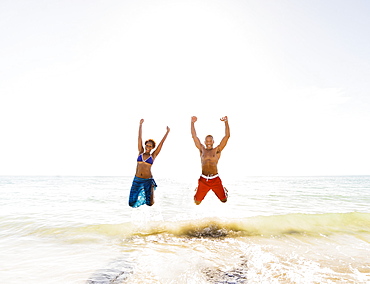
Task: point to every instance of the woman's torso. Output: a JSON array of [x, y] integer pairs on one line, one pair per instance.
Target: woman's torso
[[144, 165]]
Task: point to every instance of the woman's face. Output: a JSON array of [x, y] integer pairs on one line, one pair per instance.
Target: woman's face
[[148, 146]]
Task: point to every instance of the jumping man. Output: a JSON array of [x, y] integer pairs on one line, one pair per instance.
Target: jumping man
[[209, 157]]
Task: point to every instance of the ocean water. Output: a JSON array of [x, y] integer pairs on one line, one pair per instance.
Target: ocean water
[[271, 230]]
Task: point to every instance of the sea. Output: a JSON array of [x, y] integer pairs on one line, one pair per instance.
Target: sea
[[64, 229]]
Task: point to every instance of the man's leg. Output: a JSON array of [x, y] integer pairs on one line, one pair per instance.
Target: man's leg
[[197, 202], [201, 191], [219, 189]]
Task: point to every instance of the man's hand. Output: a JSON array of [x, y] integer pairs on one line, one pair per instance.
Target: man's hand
[[224, 118], [141, 121], [168, 129], [194, 119]]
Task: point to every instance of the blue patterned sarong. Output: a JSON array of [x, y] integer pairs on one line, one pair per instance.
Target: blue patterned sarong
[[141, 191]]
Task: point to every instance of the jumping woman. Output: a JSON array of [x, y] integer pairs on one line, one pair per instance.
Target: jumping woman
[[143, 186]]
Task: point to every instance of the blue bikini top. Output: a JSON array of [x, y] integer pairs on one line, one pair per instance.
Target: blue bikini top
[[149, 160]]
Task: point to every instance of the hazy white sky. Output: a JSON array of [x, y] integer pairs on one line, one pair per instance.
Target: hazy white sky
[[77, 76]]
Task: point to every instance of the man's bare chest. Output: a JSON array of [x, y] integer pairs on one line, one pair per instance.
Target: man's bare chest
[[210, 155]]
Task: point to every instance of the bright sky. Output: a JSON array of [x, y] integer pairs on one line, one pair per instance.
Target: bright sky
[[77, 76]]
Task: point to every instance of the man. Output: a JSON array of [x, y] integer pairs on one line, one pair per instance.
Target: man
[[209, 157]]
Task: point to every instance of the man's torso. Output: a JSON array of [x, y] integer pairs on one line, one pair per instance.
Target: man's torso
[[209, 159]]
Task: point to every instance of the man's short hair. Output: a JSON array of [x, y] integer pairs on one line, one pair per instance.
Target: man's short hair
[[209, 136], [152, 141]]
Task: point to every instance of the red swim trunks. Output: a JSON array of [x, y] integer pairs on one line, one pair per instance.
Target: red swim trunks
[[205, 185]]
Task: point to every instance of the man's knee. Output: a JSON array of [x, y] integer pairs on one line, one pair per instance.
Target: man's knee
[[224, 200], [197, 202]]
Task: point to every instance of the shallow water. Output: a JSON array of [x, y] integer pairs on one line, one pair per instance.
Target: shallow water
[[272, 230]]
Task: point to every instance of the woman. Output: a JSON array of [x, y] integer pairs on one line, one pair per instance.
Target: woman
[[143, 186]]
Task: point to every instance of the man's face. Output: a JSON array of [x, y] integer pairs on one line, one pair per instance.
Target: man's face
[[209, 142]]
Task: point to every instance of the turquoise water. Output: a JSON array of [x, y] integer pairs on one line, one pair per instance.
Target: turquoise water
[[271, 230]]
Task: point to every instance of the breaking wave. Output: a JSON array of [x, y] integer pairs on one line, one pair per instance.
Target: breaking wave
[[265, 226]]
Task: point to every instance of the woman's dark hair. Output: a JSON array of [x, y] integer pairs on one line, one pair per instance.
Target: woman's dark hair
[[152, 141]]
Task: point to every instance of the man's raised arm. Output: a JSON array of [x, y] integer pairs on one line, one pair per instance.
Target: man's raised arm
[[194, 134], [227, 133]]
